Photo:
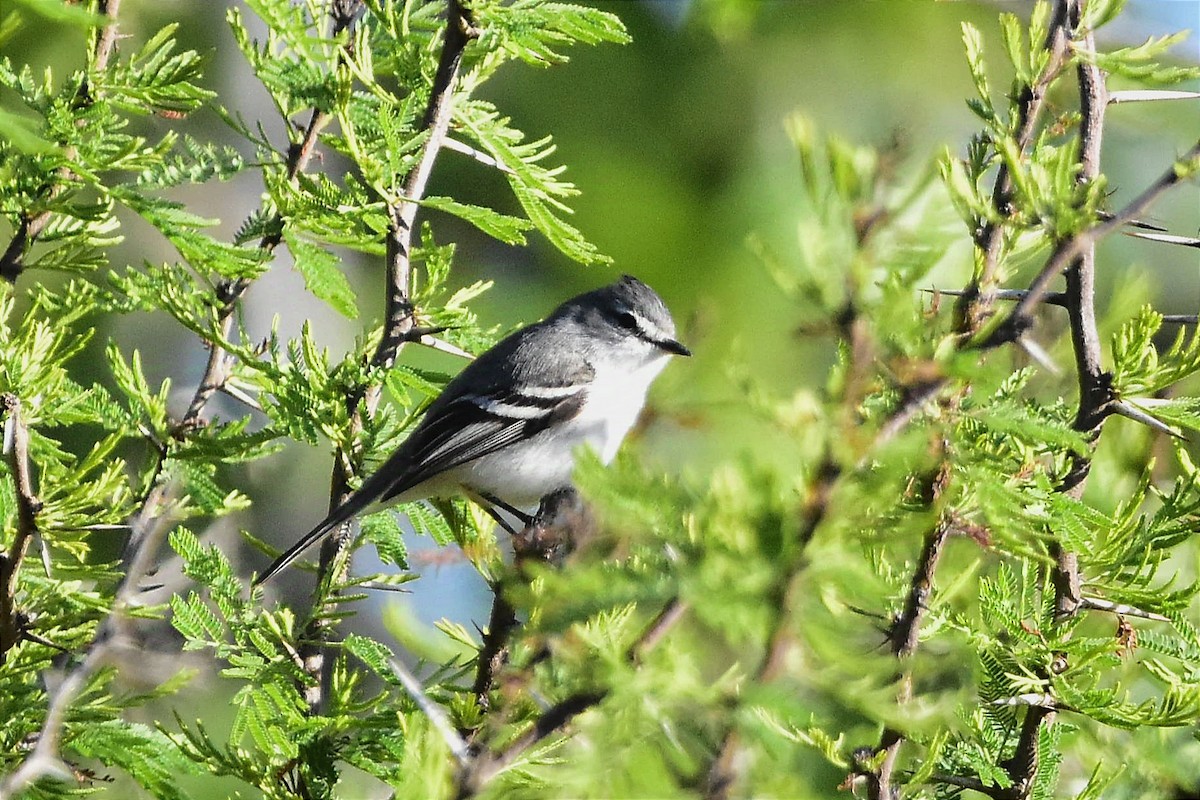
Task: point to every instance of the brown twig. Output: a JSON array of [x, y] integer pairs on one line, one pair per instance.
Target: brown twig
[[980, 295], [16, 440], [493, 650], [398, 325], [487, 766], [229, 292]]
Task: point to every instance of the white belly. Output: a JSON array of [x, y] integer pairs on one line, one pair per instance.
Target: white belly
[[523, 473]]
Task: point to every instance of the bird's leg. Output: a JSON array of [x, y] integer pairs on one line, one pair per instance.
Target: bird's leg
[[525, 519], [500, 520]]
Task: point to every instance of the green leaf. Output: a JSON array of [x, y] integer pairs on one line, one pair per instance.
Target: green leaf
[[506, 228], [24, 134], [321, 275], [373, 654], [382, 530]]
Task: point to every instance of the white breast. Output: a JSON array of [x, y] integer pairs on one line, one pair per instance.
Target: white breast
[[522, 473], [613, 403]]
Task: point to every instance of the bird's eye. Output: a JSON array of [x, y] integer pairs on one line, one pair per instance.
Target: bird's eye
[[627, 321]]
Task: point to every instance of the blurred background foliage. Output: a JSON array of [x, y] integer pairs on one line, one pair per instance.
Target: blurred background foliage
[[678, 142]]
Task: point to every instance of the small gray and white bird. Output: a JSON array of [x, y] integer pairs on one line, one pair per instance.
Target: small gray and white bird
[[506, 430]]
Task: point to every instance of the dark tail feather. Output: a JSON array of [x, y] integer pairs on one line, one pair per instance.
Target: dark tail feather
[[354, 504], [389, 480]]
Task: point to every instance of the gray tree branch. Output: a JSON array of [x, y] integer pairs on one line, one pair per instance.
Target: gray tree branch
[[398, 325]]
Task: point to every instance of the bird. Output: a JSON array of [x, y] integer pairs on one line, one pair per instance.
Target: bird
[[504, 432]]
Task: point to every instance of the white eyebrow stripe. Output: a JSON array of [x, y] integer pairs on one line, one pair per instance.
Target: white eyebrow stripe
[[649, 330]]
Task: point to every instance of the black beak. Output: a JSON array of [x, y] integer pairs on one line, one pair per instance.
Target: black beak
[[672, 346]]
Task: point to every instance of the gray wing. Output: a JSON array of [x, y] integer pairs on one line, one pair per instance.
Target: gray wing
[[479, 412]]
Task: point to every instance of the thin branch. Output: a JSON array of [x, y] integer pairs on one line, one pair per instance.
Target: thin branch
[[1011, 328], [16, 441], [915, 401], [974, 784], [487, 765], [149, 528], [1074, 247], [668, 618], [493, 651], [217, 370], [905, 634], [435, 713], [460, 31], [979, 298], [1121, 609], [562, 520], [108, 34]]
